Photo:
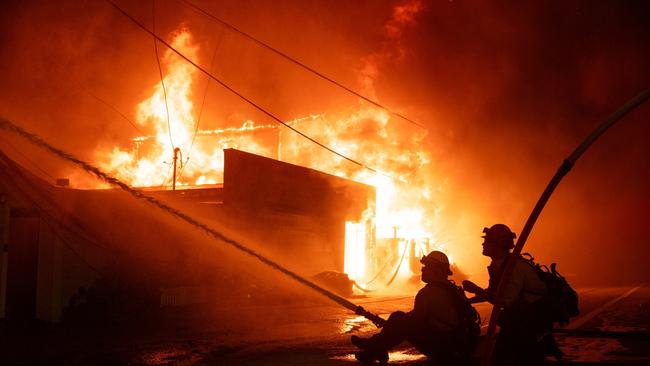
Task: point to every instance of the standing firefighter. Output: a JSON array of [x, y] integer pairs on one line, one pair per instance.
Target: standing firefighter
[[442, 325], [525, 321]]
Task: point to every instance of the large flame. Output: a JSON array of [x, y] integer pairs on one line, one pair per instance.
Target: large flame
[[405, 211], [406, 214], [200, 160]]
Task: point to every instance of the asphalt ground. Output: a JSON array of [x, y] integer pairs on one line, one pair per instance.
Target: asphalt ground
[[614, 327]]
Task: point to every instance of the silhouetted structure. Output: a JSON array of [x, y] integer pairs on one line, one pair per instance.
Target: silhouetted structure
[[100, 249]]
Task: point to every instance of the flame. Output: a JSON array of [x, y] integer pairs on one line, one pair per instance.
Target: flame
[[405, 214], [355, 250], [405, 207], [149, 161]]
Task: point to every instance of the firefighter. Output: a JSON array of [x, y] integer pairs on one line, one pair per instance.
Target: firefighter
[[434, 326], [525, 320]]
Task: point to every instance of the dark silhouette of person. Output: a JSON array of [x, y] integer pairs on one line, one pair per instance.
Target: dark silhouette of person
[[525, 320], [434, 325]]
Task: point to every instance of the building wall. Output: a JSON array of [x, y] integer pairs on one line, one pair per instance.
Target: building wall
[[49, 284], [22, 265], [39, 271], [294, 215], [297, 212]]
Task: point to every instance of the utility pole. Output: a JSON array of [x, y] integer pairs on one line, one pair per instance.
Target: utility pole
[[176, 152]]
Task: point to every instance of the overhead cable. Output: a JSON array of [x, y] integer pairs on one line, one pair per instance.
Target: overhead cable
[[562, 171], [205, 96], [108, 105], [249, 101], [162, 81], [162, 185], [293, 60], [27, 159], [217, 235]]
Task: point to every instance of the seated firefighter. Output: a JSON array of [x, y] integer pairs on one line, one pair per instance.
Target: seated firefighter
[[442, 325], [525, 321]]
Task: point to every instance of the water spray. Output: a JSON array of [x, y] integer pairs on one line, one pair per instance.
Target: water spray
[[38, 141]]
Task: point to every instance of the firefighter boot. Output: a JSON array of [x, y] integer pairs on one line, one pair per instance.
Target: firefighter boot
[[370, 356], [361, 343], [551, 348]]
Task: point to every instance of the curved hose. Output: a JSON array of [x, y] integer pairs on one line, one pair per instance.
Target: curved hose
[[399, 265], [381, 270], [566, 166]]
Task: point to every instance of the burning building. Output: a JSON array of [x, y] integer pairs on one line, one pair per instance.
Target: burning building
[[60, 240], [405, 214], [370, 219]]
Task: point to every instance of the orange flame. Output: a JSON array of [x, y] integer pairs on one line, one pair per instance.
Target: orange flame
[[405, 209], [149, 163], [405, 205]]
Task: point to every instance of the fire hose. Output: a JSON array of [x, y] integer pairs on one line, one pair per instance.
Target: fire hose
[[564, 168], [138, 194], [381, 270], [36, 140], [359, 310], [399, 265]]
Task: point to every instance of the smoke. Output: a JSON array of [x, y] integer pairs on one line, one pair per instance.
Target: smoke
[[391, 50], [506, 91], [509, 91]]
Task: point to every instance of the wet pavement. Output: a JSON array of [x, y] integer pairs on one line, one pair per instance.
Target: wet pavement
[[614, 327]]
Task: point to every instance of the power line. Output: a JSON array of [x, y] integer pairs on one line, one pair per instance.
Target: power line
[[249, 101], [205, 96], [166, 176], [17, 178], [162, 81], [293, 60], [138, 194], [69, 228], [65, 241], [27, 159], [108, 105]]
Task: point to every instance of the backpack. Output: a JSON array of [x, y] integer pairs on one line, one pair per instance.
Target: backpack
[[562, 298], [470, 320]]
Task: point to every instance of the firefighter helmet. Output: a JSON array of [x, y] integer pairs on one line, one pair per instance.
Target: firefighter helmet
[[499, 234], [438, 259]]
